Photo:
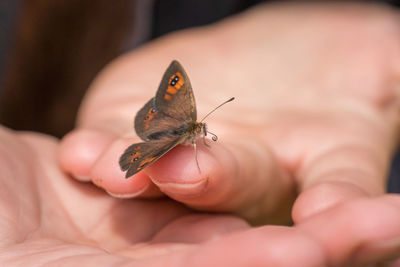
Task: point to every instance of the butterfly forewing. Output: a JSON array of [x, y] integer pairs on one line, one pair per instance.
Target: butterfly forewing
[[175, 96], [138, 156], [172, 107]]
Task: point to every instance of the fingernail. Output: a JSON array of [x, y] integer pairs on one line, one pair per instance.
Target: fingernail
[[390, 244], [389, 248], [185, 189], [82, 178], [131, 195]]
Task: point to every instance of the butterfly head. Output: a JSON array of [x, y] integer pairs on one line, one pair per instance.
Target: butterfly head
[[195, 130], [198, 129]]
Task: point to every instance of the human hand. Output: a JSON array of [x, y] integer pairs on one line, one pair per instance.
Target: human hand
[[314, 113], [49, 219]]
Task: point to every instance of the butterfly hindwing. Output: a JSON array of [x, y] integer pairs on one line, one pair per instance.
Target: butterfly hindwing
[[150, 120], [175, 96], [138, 156]]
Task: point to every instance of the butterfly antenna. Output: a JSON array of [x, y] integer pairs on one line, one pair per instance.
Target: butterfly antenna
[[229, 100], [214, 136]]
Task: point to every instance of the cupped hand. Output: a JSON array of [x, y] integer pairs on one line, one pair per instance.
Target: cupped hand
[[314, 123], [49, 219], [316, 112]]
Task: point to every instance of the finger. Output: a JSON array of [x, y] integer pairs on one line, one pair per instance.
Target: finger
[[339, 175], [359, 232], [244, 179], [265, 246], [80, 149], [362, 232], [198, 228], [239, 177], [83, 154]]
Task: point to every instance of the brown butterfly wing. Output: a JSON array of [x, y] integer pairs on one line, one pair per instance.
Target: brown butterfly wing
[[171, 109], [175, 96], [162, 121], [150, 121], [138, 156]]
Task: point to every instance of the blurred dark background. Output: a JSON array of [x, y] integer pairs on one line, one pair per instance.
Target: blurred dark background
[[50, 51]]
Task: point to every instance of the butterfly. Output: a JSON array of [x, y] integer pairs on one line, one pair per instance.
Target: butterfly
[[166, 120]]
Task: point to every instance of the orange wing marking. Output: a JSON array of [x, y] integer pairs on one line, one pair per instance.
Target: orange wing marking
[[152, 110], [149, 116], [146, 161], [171, 90], [180, 82], [136, 155], [174, 85]]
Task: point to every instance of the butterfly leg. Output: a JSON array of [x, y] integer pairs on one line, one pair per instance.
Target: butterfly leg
[[205, 141], [195, 156], [204, 128]]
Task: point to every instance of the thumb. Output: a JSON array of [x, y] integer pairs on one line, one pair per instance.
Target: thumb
[[237, 177], [339, 175]]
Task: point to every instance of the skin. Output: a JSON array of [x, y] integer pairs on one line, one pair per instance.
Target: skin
[[308, 140]]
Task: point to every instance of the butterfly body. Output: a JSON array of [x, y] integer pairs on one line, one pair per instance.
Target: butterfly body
[[188, 132], [193, 131], [166, 120]]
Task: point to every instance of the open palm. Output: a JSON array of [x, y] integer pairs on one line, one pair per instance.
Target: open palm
[[49, 219], [308, 139]]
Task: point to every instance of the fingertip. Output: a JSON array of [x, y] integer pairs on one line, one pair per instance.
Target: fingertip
[[177, 173], [80, 149], [178, 176], [363, 230], [106, 173], [322, 196]]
